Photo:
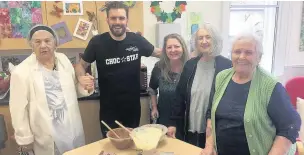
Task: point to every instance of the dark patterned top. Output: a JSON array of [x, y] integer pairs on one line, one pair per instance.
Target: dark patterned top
[[166, 93]]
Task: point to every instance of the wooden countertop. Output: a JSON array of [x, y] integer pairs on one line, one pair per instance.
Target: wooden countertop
[[169, 145]]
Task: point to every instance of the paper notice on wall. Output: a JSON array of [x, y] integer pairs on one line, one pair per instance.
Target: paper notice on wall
[[193, 21]]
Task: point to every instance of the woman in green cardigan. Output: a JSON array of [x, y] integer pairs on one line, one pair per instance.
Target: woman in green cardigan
[[251, 112]]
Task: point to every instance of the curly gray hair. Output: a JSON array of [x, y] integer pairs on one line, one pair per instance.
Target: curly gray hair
[[252, 37], [217, 41]]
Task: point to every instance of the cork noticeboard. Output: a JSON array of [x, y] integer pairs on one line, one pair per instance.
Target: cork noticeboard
[[18, 9], [71, 22], [135, 23]]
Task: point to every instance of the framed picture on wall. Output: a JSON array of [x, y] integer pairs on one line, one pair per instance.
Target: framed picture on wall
[[72, 8], [82, 29], [63, 32]]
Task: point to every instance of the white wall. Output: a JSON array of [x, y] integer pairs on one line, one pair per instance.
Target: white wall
[[294, 56], [289, 61], [287, 54], [211, 12]]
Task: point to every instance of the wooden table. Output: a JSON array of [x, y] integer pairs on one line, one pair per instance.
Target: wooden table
[[168, 145]]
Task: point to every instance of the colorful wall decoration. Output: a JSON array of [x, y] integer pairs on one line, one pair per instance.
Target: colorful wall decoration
[[56, 11], [165, 17], [17, 18], [63, 32], [93, 20], [82, 29], [130, 4], [194, 19], [72, 8]]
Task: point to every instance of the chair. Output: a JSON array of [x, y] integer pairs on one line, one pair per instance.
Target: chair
[[295, 88]]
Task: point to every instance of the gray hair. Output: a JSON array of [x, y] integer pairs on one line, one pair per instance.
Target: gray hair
[[164, 62], [217, 41], [252, 37], [46, 28]]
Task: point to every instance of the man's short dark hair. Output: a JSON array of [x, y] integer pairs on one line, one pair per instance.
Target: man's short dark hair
[[117, 5]]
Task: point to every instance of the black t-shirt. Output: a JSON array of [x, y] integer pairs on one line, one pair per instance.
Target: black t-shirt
[[118, 66]]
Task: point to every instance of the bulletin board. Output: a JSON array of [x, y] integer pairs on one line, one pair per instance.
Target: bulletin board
[[71, 22], [55, 14], [136, 19], [16, 19]]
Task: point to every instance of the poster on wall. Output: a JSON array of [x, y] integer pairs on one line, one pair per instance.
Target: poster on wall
[[72, 8], [14, 59], [17, 18], [194, 19], [7, 64], [301, 48], [63, 32], [82, 29]]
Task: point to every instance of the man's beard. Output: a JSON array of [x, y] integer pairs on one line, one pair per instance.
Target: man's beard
[[116, 33]]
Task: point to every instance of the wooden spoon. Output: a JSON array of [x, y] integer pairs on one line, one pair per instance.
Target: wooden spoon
[[130, 132], [123, 126], [105, 124]]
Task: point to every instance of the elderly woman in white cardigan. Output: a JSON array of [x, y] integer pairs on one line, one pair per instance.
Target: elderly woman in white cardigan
[[43, 98]]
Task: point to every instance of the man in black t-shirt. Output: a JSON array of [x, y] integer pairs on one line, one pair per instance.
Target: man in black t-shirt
[[118, 56]]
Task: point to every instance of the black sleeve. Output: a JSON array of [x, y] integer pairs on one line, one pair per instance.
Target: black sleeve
[[208, 113], [146, 48], [154, 80], [179, 106], [89, 54], [285, 118]]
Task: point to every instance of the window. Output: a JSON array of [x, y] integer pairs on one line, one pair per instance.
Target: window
[[258, 17]]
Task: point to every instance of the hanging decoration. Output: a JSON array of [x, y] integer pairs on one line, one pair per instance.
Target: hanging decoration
[[56, 11], [82, 29], [161, 15], [129, 4], [93, 20]]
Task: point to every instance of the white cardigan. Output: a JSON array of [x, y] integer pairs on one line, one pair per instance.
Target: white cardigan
[[28, 104]]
